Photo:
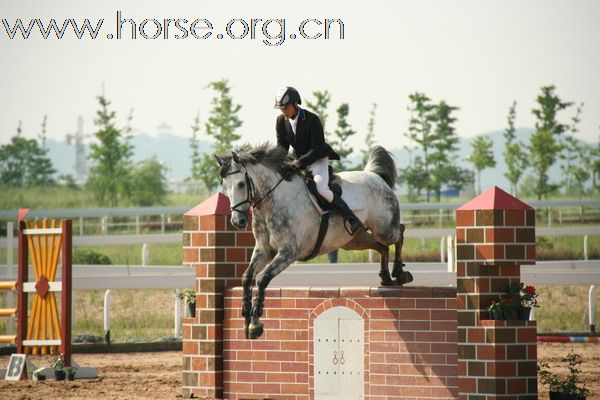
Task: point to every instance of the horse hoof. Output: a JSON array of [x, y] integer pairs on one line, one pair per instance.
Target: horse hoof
[[255, 330], [387, 282], [405, 277]]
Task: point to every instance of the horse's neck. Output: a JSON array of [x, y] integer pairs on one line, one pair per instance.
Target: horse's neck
[[265, 180]]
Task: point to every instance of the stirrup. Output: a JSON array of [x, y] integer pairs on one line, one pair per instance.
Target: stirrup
[[357, 228]]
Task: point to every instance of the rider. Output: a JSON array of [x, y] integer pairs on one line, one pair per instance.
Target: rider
[[303, 130]]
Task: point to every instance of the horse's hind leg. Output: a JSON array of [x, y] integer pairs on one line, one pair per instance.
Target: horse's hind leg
[[257, 262], [366, 240], [401, 276], [285, 256]]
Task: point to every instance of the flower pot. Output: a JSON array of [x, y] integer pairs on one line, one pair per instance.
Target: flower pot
[[40, 377], [498, 315], [523, 313], [510, 314], [59, 374], [191, 310], [71, 377]]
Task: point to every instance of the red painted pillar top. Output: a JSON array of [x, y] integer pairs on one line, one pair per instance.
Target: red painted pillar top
[[495, 228], [219, 253]]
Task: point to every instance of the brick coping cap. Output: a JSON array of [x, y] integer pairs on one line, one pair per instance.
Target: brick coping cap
[[217, 204], [495, 199], [353, 291]]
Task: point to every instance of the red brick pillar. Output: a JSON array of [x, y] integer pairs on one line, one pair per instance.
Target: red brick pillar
[[219, 253], [495, 234]]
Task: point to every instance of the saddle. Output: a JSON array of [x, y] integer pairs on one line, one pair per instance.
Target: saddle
[[334, 184], [336, 187]]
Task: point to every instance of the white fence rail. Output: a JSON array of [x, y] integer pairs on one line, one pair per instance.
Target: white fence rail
[[101, 277]]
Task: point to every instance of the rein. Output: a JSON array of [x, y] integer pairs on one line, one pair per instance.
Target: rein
[[251, 192]]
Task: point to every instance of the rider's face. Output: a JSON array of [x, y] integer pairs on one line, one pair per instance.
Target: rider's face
[[289, 111]]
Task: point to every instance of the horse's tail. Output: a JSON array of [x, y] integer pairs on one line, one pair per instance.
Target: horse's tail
[[382, 163]]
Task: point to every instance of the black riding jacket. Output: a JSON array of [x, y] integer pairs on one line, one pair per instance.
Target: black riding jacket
[[308, 142]]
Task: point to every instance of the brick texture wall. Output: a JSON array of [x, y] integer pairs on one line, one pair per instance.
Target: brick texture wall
[[219, 253], [495, 234], [410, 342], [419, 343]]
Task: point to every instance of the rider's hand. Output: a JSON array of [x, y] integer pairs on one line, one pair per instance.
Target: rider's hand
[[296, 165]]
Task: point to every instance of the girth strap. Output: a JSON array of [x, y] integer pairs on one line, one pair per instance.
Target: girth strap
[[321, 236]]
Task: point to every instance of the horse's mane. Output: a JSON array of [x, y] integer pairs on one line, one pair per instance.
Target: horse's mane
[[271, 156]]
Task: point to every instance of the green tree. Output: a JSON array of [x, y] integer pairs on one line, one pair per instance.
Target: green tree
[[42, 171], [545, 144], [148, 184], [23, 162], [595, 164], [195, 145], [514, 154], [572, 153], [221, 126], [420, 131], [370, 138], [109, 174], [340, 141], [444, 146], [319, 107], [431, 127], [482, 157]]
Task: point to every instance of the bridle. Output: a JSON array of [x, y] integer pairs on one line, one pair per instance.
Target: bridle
[[251, 197]]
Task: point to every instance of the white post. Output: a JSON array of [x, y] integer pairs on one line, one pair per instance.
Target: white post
[[162, 223], [107, 316], [137, 224], [372, 256], [422, 245], [549, 216], [442, 249], [585, 247], [105, 225], [441, 216], [593, 299], [10, 271], [145, 254], [177, 314], [450, 243], [560, 216], [80, 226]]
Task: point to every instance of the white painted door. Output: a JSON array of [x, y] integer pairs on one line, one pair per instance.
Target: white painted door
[[339, 355]]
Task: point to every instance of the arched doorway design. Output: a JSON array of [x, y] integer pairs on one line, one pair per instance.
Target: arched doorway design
[[339, 355]]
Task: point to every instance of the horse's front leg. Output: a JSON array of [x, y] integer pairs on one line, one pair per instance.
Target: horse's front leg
[[257, 262], [401, 276], [285, 256]]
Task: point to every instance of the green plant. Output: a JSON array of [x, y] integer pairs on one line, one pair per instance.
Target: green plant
[[70, 371], [91, 257], [38, 375], [58, 363], [188, 295], [525, 296], [571, 385]]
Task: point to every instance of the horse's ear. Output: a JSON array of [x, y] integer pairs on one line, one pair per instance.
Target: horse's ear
[[219, 160], [235, 157]]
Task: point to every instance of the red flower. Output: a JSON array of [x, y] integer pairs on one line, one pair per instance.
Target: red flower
[[530, 290]]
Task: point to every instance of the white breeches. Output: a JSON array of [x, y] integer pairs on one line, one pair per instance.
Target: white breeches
[[320, 171]]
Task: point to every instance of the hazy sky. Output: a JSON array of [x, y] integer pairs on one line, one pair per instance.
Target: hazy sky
[[477, 55]]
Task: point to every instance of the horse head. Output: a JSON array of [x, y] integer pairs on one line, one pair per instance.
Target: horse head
[[237, 185]]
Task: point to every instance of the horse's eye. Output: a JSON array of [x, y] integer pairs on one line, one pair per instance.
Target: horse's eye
[[241, 185]]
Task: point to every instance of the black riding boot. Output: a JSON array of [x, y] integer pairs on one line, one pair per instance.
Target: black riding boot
[[340, 205]]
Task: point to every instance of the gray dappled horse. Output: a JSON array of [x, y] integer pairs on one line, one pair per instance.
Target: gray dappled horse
[[285, 220]]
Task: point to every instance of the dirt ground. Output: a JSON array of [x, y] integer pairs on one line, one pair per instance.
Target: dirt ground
[[158, 375]]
